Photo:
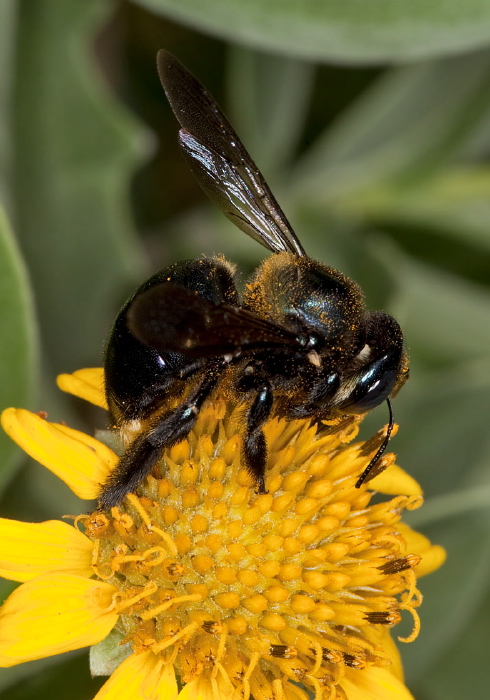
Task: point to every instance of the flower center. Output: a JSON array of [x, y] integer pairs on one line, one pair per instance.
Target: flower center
[[253, 591]]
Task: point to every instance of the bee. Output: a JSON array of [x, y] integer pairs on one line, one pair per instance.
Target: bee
[[299, 343]]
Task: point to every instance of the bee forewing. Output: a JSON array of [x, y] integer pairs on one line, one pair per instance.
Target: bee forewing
[[171, 318], [221, 163]]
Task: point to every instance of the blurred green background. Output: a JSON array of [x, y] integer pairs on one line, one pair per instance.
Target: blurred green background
[[371, 123]]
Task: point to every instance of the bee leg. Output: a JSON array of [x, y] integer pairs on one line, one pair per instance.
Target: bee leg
[[145, 451], [317, 399], [254, 445]]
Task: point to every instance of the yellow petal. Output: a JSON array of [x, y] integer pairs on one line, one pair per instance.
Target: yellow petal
[[292, 692], [394, 481], [381, 637], [199, 689], [87, 384], [140, 677], [433, 555], [374, 683], [79, 460], [30, 549], [52, 614]]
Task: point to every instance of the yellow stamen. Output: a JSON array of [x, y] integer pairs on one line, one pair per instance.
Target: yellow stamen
[[95, 554], [167, 539], [136, 503], [318, 657], [277, 689], [222, 643], [416, 624], [148, 614], [317, 687], [145, 593], [187, 631]]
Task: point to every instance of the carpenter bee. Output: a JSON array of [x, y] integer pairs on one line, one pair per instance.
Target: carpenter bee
[[299, 344]]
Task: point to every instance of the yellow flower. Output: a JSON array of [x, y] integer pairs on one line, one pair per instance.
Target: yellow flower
[[200, 583]]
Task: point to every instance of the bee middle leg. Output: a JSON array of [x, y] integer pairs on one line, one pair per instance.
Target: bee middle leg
[[254, 444], [145, 451]]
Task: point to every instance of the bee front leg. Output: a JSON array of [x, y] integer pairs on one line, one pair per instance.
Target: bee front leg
[[254, 444], [145, 451]]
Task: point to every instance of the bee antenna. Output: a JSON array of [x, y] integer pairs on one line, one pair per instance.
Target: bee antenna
[[380, 451]]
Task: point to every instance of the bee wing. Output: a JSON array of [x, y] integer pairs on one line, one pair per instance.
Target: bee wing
[[221, 163], [171, 318]]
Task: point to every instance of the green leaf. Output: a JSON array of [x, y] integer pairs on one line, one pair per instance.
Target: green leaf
[[396, 134], [74, 150], [55, 678], [452, 596], [462, 672], [454, 201], [444, 442], [18, 349], [7, 35], [348, 31], [108, 654], [444, 317], [270, 97]]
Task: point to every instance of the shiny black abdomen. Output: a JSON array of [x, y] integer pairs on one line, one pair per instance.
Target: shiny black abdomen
[[138, 378]]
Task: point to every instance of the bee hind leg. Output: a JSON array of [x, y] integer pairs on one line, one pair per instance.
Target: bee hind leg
[[254, 443], [145, 451]]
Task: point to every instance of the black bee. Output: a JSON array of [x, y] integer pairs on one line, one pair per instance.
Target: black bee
[[300, 344]]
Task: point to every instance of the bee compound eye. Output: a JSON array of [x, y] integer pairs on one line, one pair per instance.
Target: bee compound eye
[[370, 389]]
